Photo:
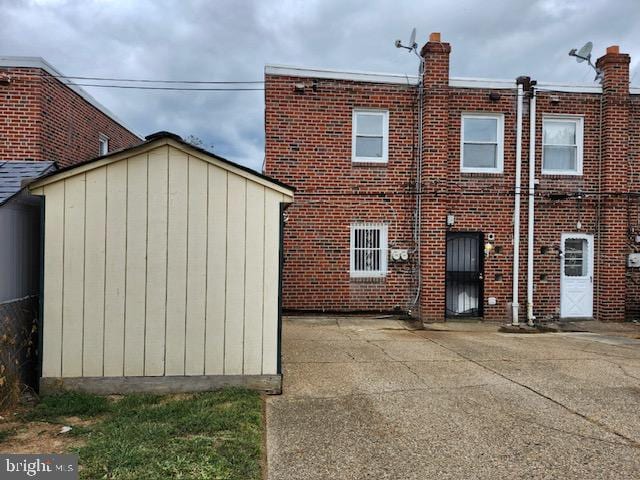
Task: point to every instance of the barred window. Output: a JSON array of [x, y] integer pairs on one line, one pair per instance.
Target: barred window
[[368, 250]]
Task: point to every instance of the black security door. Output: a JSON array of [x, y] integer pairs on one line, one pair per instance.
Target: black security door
[[464, 275]]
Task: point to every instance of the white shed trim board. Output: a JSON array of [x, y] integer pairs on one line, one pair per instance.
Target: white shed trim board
[[160, 261]]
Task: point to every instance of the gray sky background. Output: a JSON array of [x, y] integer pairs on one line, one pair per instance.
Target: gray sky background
[[232, 40]]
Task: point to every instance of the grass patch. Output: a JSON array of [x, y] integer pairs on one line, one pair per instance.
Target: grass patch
[[68, 404], [6, 434], [213, 435]]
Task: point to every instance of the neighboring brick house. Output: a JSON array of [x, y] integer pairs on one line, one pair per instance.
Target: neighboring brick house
[[350, 143], [45, 116]]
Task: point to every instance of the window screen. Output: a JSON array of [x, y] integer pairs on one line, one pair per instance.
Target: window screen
[[368, 250]]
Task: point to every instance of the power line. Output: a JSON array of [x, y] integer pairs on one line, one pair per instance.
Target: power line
[[191, 89], [146, 80]]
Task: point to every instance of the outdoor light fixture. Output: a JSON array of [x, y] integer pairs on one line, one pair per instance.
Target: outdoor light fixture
[[451, 219]]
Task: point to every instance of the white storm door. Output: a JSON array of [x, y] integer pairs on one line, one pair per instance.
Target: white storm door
[[576, 276]]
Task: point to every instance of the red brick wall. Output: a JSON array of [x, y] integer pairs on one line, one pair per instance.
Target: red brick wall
[[308, 144], [42, 119]]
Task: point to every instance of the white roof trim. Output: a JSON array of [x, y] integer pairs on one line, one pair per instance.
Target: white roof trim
[[569, 87], [634, 90], [400, 79], [462, 82], [39, 62], [372, 77]]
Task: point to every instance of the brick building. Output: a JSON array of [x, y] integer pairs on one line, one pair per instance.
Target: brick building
[[407, 196], [45, 116]]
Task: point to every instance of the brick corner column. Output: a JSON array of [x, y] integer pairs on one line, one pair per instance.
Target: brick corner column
[[435, 152], [612, 246]]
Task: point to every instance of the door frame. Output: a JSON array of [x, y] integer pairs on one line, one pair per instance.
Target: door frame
[[590, 259], [480, 237]]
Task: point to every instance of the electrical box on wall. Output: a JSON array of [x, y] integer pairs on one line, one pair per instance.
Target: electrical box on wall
[[399, 255], [633, 260]]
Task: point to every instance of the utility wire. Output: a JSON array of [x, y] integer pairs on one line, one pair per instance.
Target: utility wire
[[141, 80], [189, 89]]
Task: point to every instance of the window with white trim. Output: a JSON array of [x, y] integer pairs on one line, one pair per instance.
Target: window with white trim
[[370, 136], [481, 143], [103, 144], [562, 145], [368, 250]]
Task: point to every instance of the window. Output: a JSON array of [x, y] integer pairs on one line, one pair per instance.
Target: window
[[370, 142], [481, 148], [575, 257], [103, 144], [562, 145], [368, 250]]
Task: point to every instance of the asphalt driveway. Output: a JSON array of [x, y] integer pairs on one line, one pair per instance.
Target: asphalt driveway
[[370, 398]]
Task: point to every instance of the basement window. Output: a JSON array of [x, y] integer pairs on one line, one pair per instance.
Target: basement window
[[562, 145], [481, 143], [368, 250], [370, 136], [103, 144]]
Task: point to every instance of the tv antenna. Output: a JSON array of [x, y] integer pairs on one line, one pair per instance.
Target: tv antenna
[[412, 47], [584, 55]]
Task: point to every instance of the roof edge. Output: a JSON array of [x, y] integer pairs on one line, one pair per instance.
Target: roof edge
[[403, 79], [154, 140], [41, 63]]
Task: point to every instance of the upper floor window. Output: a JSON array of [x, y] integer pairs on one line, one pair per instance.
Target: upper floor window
[[368, 250], [370, 137], [562, 145], [103, 144], [481, 143]]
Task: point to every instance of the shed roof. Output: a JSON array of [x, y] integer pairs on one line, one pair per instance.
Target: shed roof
[[14, 173], [152, 141]]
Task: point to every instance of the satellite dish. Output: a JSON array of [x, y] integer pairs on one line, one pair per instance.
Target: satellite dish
[[412, 38], [584, 53]]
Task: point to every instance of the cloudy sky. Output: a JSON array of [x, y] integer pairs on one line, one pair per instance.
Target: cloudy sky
[[234, 39]]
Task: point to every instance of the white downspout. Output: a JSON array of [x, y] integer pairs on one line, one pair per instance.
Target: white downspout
[[515, 306], [532, 188]]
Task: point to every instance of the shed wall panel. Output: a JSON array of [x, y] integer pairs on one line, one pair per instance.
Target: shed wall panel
[[136, 276], [160, 264], [177, 262], [115, 265], [216, 271], [196, 267], [53, 280], [73, 282], [94, 266], [234, 312], [254, 281], [156, 262]]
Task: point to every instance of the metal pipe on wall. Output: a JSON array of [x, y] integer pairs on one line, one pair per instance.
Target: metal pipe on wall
[[531, 205], [515, 306]]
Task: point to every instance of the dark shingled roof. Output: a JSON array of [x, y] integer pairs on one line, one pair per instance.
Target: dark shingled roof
[[13, 173]]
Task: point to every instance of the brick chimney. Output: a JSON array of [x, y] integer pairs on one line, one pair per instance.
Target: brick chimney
[[434, 174], [614, 168]]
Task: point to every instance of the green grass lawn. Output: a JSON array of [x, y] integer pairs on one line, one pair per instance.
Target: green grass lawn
[[213, 435]]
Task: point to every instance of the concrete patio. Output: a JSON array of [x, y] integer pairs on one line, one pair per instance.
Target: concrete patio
[[371, 398]]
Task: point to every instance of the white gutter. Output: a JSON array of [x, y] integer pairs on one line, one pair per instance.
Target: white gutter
[[532, 188], [515, 306]]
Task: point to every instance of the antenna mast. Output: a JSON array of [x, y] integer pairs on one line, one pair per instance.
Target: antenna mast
[[584, 55]]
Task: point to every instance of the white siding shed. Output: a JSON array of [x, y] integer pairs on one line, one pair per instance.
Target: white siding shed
[[161, 272]]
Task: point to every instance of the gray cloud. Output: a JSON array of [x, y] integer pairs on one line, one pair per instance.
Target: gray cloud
[[232, 40]]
